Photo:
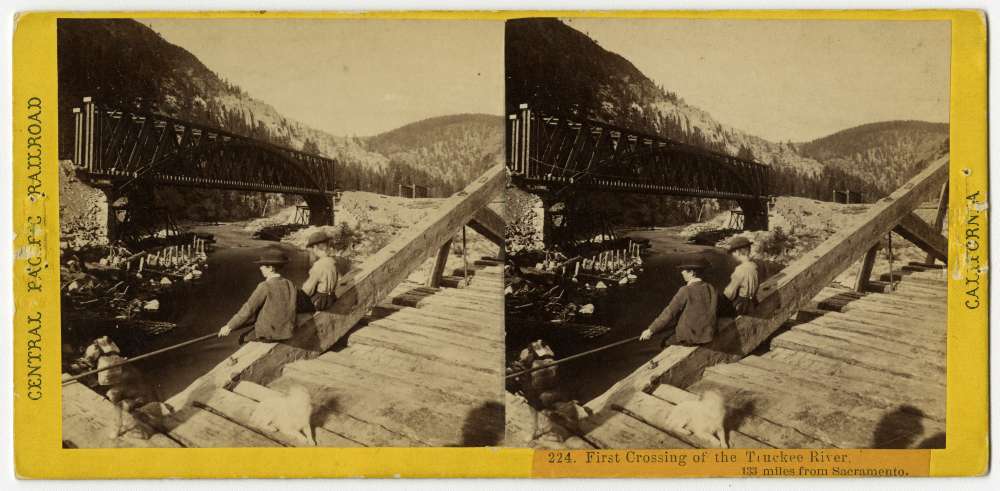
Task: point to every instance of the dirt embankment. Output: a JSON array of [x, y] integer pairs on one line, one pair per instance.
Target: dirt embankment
[[367, 222], [799, 225]]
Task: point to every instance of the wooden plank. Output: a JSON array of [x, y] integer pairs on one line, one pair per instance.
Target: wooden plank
[[239, 409], [783, 385], [434, 278], [487, 330], [439, 300], [223, 373], [912, 291], [675, 365], [867, 340], [430, 416], [471, 386], [835, 425], [416, 344], [380, 274], [492, 273], [195, 427], [747, 423], [467, 331], [910, 336], [822, 366], [523, 423], [447, 338], [921, 396], [900, 300], [654, 412], [612, 429], [490, 325], [472, 295], [922, 235], [862, 356], [933, 329], [489, 224], [886, 306], [786, 292], [418, 368], [89, 421], [344, 426], [935, 279], [316, 372]]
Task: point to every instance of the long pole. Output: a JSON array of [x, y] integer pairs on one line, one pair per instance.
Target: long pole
[[145, 355], [573, 357]]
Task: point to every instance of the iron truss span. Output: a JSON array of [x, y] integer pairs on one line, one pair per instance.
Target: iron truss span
[[546, 151], [128, 147]]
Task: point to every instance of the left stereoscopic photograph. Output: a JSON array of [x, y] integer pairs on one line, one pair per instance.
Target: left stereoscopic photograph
[[281, 232]]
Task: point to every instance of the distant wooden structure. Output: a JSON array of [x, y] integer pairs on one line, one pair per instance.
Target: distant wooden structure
[[847, 196], [413, 191]]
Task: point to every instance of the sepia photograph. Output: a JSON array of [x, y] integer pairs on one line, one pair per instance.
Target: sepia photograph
[[726, 233], [281, 232]]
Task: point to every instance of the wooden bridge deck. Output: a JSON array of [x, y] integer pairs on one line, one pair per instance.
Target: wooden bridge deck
[[424, 368], [852, 371]]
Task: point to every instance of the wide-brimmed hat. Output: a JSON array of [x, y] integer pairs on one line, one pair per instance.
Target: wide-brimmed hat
[[272, 258], [318, 237], [693, 264], [737, 243]]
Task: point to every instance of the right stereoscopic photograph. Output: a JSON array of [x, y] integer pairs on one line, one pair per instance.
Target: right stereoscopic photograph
[[726, 233]]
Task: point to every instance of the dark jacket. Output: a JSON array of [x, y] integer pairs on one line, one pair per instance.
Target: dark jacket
[[271, 308], [693, 311]]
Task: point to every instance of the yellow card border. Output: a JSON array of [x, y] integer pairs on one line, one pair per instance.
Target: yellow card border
[[37, 423]]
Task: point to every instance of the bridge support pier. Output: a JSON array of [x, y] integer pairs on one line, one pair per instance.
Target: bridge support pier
[[754, 214], [111, 212], [320, 210]]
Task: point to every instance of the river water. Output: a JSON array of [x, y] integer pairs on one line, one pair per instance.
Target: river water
[[203, 308], [629, 310]]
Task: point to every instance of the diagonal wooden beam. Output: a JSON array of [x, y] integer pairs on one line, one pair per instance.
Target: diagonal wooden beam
[[489, 224], [381, 273], [924, 236]]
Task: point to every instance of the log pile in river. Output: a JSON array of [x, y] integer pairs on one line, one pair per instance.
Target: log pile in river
[[548, 290], [110, 288]]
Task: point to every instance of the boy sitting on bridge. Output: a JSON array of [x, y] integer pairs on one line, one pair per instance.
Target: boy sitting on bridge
[[321, 284], [271, 306], [742, 288], [692, 310]]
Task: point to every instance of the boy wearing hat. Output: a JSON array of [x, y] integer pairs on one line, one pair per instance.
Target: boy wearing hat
[[321, 284], [271, 306], [742, 287], [692, 310]]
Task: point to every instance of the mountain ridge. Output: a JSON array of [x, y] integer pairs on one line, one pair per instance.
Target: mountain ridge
[[584, 79], [124, 63]]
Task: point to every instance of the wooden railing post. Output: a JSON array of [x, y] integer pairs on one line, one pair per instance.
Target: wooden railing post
[[434, 279], [942, 210], [865, 273]]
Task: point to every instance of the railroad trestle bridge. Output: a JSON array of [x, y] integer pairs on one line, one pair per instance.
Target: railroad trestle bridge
[[120, 150], [557, 156]]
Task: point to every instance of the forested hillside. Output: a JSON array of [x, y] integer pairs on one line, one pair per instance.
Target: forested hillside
[[553, 67]]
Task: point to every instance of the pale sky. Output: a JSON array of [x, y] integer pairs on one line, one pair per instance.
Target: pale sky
[[352, 77], [791, 80]]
